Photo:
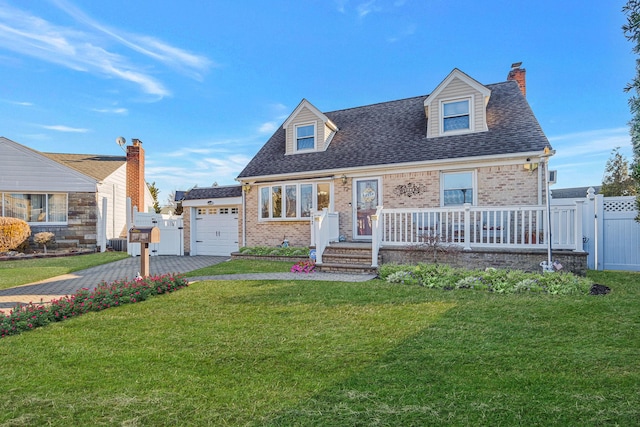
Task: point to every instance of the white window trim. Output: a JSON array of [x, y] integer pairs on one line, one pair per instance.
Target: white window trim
[[37, 223], [295, 137], [471, 101], [298, 216], [474, 183]]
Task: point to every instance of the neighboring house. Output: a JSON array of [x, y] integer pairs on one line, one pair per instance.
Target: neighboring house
[[573, 193], [466, 142], [65, 193]]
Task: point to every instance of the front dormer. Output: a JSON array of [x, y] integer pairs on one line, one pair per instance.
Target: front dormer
[[457, 106], [308, 130]]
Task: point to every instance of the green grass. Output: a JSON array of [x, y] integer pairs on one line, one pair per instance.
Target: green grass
[[243, 266], [323, 353], [20, 272]]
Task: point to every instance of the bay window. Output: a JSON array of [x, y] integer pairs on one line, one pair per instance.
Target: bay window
[[293, 201]]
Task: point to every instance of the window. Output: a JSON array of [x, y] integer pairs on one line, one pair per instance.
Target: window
[[297, 202], [305, 137], [455, 116], [457, 188], [35, 208]]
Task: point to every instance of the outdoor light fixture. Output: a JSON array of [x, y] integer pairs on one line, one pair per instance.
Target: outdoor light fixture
[[530, 166], [344, 179], [246, 188]]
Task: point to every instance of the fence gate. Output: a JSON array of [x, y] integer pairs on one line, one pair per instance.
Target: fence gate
[[171, 234], [611, 235], [620, 244]]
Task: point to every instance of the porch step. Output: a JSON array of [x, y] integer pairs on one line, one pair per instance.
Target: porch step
[[329, 267], [352, 258]]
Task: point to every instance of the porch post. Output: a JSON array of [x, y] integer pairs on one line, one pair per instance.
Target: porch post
[[578, 226], [466, 235]]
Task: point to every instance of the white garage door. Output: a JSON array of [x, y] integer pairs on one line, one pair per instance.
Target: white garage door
[[216, 230]]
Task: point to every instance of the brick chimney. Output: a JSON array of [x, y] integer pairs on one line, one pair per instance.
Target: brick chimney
[[519, 76], [135, 174]]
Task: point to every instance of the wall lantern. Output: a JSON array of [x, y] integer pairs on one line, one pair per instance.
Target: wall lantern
[[530, 166], [246, 188], [344, 179]]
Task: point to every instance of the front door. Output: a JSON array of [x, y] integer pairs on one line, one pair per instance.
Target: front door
[[366, 200]]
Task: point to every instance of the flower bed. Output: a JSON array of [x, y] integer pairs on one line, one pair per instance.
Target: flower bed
[[441, 276], [30, 316]]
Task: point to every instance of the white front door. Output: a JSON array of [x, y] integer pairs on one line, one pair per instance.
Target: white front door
[[366, 199]]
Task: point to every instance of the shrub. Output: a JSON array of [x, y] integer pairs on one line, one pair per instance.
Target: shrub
[[30, 316], [274, 250], [493, 280], [44, 238], [13, 232]]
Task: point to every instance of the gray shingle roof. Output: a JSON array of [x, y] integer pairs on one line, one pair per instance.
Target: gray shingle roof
[[395, 132], [572, 193], [213, 192], [94, 165]]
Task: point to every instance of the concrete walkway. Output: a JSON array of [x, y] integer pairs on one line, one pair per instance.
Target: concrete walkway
[[68, 284]]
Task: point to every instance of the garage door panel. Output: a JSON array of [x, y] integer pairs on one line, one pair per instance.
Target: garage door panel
[[216, 231]]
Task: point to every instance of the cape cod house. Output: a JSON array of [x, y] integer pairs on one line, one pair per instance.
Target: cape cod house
[[81, 198], [465, 164]]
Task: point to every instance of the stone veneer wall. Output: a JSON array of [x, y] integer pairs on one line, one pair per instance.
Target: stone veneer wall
[[82, 222], [526, 260]]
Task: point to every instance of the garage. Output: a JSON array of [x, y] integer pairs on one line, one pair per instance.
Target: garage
[[212, 215], [216, 230]]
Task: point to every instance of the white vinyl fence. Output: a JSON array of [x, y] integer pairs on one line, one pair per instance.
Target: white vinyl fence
[[611, 236], [171, 234]]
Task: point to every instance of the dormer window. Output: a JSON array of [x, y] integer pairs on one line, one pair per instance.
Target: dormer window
[[305, 137], [455, 116]]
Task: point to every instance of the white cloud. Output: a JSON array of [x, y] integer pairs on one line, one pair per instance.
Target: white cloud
[[406, 32], [366, 8], [268, 127], [581, 157], [62, 128], [111, 110], [88, 51]]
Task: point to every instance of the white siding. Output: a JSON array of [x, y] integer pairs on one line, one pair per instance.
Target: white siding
[[114, 189], [457, 89], [25, 170], [305, 116]]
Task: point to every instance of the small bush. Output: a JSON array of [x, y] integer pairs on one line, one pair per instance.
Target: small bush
[[44, 238], [493, 280], [275, 251], [30, 316], [13, 232]]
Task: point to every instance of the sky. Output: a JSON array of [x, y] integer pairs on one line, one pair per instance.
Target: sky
[[204, 84]]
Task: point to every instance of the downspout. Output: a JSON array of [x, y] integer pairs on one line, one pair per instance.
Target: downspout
[[244, 216], [547, 266]]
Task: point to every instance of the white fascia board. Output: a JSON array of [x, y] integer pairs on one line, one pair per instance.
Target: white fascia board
[[431, 165]]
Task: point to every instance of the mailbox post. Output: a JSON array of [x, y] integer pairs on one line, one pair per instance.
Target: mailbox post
[[144, 236]]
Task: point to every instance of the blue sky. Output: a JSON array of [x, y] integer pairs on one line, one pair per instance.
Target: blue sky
[[205, 83]]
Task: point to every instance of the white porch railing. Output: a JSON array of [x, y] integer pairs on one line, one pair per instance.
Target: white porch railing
[[325, 228], [516, 227]]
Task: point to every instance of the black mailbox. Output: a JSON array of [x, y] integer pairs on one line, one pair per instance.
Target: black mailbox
[[144, 235]]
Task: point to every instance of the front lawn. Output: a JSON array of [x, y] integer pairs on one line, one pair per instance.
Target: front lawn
[[20, 272], [326, 353]]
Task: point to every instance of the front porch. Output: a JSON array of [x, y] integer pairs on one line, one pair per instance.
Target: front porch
[[468, 236]]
